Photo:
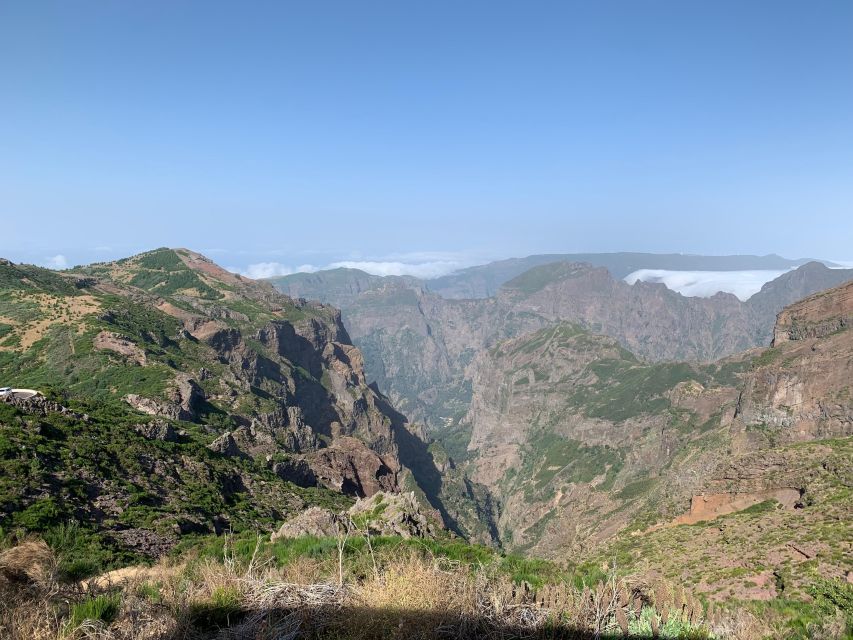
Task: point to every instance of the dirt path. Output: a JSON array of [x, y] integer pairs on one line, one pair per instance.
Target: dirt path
[[135, 574]]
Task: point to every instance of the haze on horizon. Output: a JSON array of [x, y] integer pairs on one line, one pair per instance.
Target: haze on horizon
[[277, 136]]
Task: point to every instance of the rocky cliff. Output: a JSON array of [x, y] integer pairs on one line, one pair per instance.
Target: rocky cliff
[[575, 437], [169, 343], [419, 346], [800, 389], [586, 447]]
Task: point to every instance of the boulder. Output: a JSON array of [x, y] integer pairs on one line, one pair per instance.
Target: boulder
[[351, 467], [157, 430], [311, 522], [393, 514], [386, 514], [227, 446]]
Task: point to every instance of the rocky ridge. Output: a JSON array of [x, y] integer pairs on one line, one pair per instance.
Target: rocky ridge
[[582, 443], [419, 346], [387, 514], [170, 350]]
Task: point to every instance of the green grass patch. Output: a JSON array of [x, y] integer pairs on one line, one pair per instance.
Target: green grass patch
[[103, 608]]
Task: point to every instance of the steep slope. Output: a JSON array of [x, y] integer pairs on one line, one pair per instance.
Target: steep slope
[[581, 443], [801, 387], [419, 346], [575, 436], [649, 319], [338, 287], [777, 513], [767, 525], [168, 346], [787, 289]]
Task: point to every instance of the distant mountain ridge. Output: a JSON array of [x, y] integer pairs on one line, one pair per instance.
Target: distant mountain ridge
[[483, 281], [419, 346]]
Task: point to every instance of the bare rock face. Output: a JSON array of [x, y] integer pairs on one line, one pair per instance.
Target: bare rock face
[[145, 541], [110, 341], [181, 405], [226, 445], [39, 405], [295, 470], [709, 506], [817, 316], [157, 430], [387, 514], [315, 521], [397, 514], [350, 467], [801, 388]]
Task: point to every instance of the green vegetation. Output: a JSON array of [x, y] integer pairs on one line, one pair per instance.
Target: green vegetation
[[218, 612], [549, 456], [766, 357], [65, 452], [625, 389], [24, 277], [163, 272], [762, 507], [829, 611], [102, 608], [636, 488], [359, 556]]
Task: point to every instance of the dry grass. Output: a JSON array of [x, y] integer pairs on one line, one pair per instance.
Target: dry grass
[[411, 596], [30, 563]]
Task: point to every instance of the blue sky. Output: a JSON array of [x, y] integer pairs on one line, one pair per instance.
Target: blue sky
[[435, 133]]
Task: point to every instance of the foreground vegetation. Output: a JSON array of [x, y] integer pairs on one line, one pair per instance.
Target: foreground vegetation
[[380, 588], [370, 587]]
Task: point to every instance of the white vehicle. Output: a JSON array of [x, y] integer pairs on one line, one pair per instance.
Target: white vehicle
[[5, 391]]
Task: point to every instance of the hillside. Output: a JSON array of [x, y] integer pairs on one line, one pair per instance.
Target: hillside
[[776, 514], [197, 400], [419, 346], [718, 475], [181, 401], [577, 438]]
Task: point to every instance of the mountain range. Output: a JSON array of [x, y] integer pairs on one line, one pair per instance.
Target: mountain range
[[419, 345], [570, 415]]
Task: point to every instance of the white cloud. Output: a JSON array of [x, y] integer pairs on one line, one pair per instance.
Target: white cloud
[[260, 270], [842, 264], [58, 261], [704, 284], [394, 268]]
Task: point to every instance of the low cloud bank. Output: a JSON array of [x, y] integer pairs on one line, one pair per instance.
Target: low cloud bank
[[703, 284], [419, 270], [261, 270], [426, 270]]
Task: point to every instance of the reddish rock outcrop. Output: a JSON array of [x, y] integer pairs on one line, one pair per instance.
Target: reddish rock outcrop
[[816, 316]]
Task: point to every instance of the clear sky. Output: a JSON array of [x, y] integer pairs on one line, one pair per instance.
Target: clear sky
[[298, 133]]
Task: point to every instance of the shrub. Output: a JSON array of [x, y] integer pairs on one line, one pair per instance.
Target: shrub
[[39, 515]]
